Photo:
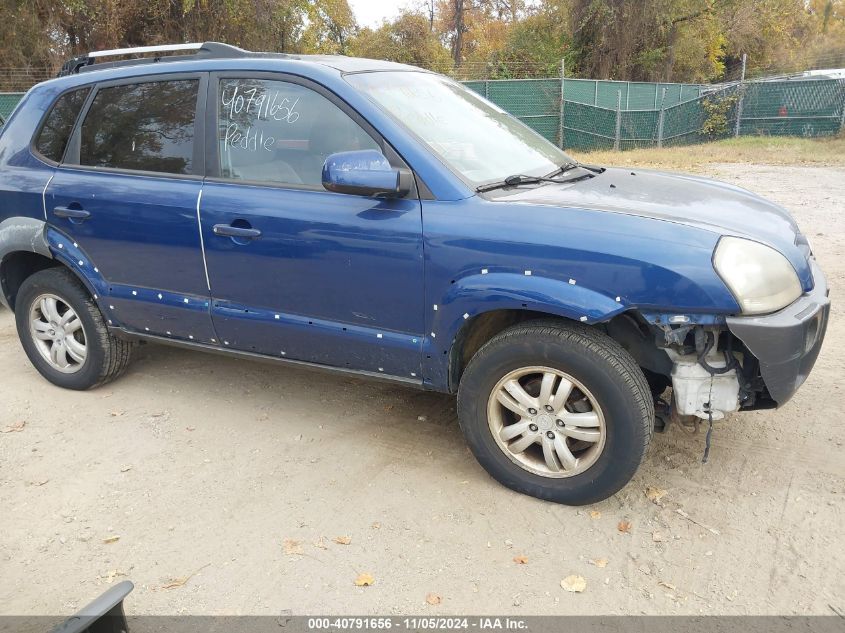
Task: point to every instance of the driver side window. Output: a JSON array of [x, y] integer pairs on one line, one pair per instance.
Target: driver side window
[[280, 132]]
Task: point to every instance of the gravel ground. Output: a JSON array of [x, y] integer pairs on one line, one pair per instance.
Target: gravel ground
[[218, 486]]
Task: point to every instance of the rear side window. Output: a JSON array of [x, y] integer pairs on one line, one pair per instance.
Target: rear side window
[[53, 137], [147, 127]]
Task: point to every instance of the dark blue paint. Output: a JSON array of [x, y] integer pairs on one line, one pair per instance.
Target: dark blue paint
[[375, 284], [330, 259], [365, 172], [142, 233]]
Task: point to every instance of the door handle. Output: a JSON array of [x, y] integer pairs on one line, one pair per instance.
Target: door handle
[[227, 230], [73, 214]]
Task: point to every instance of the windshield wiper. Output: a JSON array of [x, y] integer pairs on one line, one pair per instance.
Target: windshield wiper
[[513, 181], [564, 168], [520, 179], [593, 168]]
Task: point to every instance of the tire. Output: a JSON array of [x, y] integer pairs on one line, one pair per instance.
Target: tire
[[106, 357], [609, 394]]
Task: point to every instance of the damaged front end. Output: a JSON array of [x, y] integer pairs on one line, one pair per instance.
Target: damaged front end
[[717, 365]]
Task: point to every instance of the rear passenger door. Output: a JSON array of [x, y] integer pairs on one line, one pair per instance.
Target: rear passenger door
[[126, 196]]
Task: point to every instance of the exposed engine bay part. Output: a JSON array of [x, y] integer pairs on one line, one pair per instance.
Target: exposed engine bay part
[[705, 384]]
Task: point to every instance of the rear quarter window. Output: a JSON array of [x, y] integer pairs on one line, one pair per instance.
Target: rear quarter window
[[147, 127], [54, 134]]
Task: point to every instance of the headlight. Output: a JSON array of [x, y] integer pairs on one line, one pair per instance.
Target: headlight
[[760, 278]]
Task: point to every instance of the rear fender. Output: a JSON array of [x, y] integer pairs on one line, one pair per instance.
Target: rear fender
[[29, 235], [21, 234]]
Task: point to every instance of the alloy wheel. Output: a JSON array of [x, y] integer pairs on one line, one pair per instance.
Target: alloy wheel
[[58, 333], [546, 421]]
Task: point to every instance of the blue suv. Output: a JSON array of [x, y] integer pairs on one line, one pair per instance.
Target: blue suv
[[377, 219]]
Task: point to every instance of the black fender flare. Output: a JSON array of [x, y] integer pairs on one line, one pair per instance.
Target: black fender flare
[[21, 234]]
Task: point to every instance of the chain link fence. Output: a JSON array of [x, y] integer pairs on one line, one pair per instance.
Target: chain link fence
[[8, 101]]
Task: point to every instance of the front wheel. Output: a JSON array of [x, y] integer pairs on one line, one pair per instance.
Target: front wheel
[[557, 411]]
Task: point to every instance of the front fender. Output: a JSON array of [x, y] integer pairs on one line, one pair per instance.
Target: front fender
[[477, 294]]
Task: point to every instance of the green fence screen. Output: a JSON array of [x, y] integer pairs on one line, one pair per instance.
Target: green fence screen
[[8, 101], [654, 114]]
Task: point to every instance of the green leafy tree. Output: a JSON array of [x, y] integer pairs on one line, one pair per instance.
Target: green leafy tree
[[407, 39]]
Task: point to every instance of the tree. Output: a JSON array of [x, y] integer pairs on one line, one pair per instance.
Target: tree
[[331, 24], [407, 39], [651, 40]]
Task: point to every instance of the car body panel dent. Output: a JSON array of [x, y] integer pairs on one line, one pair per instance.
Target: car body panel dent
[[23, 234]]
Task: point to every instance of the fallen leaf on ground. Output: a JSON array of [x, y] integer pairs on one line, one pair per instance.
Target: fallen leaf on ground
[[173, 583], [657, 537], [321, 543], [668, 585], [655, 494], [595, 514], [574, 584], [624, 526], [190, 428], [126, 469], [176, 582], [39, 482], [113, 573], [342, 540], [433, 599], [599, 562], [376, 525], [291, 547], [520, 560], [17, 427], [111, 539], [364, 580]]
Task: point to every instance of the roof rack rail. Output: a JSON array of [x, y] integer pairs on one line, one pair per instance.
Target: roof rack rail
[[205, 50]]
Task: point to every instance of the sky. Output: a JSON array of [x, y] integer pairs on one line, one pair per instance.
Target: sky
[[372, 12]]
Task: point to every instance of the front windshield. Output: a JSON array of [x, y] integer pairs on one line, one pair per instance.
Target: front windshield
[[478, 140]]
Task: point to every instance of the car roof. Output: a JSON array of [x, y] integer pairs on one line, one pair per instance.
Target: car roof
[[208, 57]]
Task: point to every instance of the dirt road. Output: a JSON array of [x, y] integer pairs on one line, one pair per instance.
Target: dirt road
[[218, 486]]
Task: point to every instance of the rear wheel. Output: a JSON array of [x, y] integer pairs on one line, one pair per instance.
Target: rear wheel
[[558, 411], [64, 334]]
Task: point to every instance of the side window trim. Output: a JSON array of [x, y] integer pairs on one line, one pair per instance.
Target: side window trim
[[72, 153], [212, 161], [33, 142]]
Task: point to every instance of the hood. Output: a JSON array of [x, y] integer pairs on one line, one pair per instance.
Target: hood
[[691, 200]]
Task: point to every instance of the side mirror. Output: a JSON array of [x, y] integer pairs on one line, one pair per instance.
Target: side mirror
[[365, 173]]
